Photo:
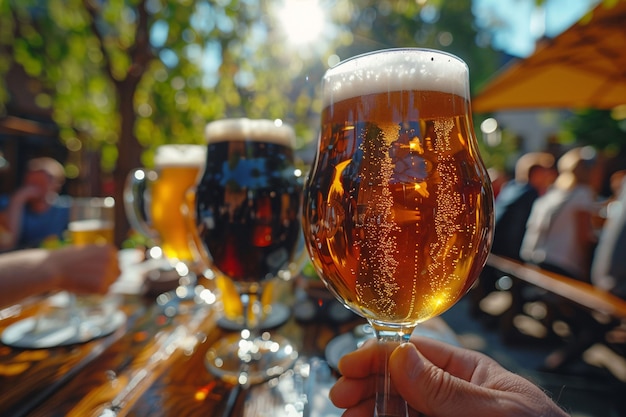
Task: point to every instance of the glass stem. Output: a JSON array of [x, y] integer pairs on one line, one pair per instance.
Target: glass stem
[[251, 309], [388, 402], [245, 310], [248, 352]]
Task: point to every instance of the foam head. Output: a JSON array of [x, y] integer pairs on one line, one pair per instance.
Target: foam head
[[257, 130], [396, 70], [180, 155]]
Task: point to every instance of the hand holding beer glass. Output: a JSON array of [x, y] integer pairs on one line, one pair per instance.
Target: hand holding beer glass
[[92, 222], [248, 209], [88, 266], [398, 205]]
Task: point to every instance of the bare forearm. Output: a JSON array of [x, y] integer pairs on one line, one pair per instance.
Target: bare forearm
[[88, 269], [24, 273]]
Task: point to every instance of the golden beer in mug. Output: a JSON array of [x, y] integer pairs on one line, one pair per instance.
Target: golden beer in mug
[[178, 169], [160, 203]]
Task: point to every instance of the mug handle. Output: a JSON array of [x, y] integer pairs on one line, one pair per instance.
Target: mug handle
[[134, 202]]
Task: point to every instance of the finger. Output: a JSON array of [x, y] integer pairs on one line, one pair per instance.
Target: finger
[[349, 392], [363, 409], [462, 363], [432, 391], [95, 269], [113, 268], [360, 363]]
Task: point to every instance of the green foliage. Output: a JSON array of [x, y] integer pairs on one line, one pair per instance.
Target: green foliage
[[503, 155], [599, 128], [206, 60], [445, 25]]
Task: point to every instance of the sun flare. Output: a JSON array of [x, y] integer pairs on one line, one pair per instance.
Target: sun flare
[[302, 20]]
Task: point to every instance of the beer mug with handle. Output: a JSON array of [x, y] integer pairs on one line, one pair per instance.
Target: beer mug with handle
[[160, 204]]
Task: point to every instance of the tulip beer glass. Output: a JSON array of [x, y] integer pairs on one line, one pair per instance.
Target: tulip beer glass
[[398, 206], [248, 209]]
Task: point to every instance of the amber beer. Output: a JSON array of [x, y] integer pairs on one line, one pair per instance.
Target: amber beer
[[178, 169], [397, 208], [248, 199]]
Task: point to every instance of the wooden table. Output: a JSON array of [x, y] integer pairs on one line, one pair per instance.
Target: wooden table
[[152, 366]]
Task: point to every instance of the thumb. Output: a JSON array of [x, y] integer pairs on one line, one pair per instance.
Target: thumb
[[429, 389]]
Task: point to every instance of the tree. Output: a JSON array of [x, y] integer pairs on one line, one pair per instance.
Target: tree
[[123, 76]]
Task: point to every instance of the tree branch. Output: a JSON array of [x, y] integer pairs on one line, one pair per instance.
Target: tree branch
[[92, 8]]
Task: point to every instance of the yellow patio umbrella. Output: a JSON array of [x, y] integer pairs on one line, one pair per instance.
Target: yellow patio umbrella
[[583, 67]]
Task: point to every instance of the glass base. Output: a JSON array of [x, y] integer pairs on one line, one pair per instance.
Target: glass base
[[240, 361], [182, 300], [278, 315]]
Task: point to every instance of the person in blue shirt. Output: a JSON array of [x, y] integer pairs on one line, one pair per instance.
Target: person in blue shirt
[[35, 211]]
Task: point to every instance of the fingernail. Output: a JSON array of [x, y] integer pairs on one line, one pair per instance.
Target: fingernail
[[413, 361]]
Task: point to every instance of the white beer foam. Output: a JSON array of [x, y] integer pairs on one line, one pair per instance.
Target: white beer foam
[[89, 224], [396, 70], [180, 155], [257, 130]]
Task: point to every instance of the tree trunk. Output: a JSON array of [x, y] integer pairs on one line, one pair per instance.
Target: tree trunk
[[129, 154]]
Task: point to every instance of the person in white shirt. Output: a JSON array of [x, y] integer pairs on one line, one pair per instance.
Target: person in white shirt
[[608, 269], [560, 236]]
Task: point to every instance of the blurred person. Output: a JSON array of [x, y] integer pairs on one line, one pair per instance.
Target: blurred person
[[616, 181], [498, 178], [608, 268], [86, 269], [439, 380], [560, 236], [534, 174], [35, 211], [615, 184], [608, 272]]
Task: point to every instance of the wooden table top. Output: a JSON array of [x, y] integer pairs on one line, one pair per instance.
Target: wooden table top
[[151, 366]]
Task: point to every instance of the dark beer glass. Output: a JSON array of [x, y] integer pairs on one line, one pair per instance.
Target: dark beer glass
[[248, 209], [398, 205]]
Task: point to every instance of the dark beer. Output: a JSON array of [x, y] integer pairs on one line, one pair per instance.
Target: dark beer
[[248, 200]]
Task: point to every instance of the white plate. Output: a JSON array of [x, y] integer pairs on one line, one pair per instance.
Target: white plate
[[21, 334]]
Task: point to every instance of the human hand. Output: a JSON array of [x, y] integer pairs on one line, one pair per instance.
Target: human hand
[[439, 381], [85, 269], [29, 192]]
